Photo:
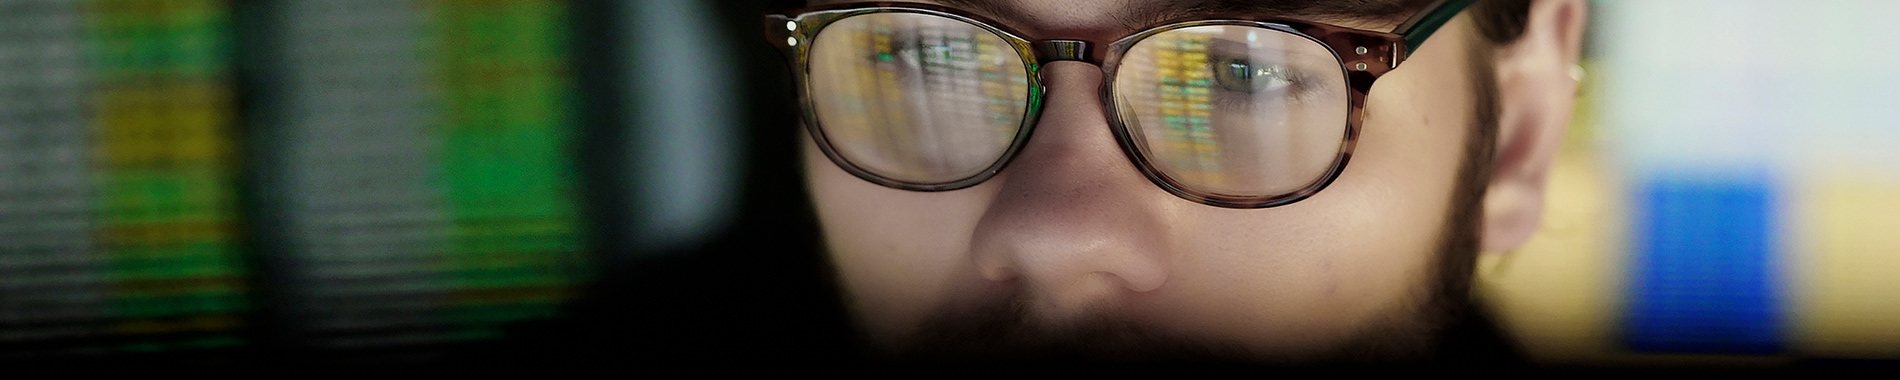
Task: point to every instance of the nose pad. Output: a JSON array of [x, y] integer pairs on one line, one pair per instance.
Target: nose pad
[[1073, 220]]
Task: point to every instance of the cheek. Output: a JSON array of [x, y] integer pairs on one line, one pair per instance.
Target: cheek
[[896, 252], [1312, 273], [1330, 265]]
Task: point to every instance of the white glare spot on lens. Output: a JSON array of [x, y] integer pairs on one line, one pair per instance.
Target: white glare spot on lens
[[1360, 50], [1361, 66], [1251, 36], [793, 41], [791, 25]]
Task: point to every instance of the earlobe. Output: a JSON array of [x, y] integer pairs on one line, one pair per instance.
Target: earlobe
[[1536, 92]]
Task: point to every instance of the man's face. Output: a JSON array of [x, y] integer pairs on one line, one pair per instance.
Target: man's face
[[1070, 247]]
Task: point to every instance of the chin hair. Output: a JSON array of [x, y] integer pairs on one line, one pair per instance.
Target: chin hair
[[1413, 331], [1008, 333]]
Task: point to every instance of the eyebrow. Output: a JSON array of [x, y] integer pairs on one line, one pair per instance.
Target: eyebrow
[[1149, 13]]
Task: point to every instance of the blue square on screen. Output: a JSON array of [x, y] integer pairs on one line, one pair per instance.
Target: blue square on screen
[[1701, 279]]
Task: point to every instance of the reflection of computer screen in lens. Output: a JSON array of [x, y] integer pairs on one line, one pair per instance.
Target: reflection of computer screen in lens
[[1176, 65], [934, 91]]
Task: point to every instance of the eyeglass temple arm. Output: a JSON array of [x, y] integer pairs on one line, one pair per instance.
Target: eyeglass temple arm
[[1423, 25]]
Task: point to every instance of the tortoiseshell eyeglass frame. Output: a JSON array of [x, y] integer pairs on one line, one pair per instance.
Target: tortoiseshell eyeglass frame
[[1363, 56]]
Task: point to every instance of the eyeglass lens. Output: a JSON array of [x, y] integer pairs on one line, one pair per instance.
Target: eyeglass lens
[[917, 98], [1241, 111], [1234, 110]]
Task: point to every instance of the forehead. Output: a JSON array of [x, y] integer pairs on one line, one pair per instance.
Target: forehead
[[1105, 18]]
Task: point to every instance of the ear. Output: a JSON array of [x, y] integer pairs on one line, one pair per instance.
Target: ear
[[1536, 91]]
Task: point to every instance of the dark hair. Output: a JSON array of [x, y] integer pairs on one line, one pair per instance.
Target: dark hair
[[1500, 21]]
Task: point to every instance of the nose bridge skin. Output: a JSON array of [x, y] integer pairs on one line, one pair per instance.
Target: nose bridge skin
[[1074, 222]]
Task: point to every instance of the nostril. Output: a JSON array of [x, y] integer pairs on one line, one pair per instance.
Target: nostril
[[995, 268], [1140, 281], [1073, 217]]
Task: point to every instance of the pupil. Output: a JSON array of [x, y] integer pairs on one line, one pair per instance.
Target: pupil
[[1241, 70]]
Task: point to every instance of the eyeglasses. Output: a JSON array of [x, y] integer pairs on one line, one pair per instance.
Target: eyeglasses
[[1237, 112]]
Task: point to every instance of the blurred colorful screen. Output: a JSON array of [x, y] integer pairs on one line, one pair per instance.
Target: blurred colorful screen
[[1729, 191]]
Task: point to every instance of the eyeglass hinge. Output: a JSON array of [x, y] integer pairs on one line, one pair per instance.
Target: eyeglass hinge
[[1061, 50]]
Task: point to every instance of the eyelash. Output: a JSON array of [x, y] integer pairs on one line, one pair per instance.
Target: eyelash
[[1299, 89]]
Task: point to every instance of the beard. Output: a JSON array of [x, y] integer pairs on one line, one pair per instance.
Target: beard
[[1004, 332]]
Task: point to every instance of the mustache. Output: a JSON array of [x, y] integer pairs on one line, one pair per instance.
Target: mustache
[[1008, 332]]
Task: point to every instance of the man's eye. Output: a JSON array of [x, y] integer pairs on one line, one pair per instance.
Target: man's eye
[[1240, 75]]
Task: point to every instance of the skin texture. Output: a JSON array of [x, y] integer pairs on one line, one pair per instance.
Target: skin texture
[[1071, 236]]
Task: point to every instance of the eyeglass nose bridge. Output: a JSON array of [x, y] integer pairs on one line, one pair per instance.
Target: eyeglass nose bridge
[[1061, 50]]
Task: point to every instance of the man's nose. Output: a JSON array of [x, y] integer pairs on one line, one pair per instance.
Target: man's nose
[[1074, 221]]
